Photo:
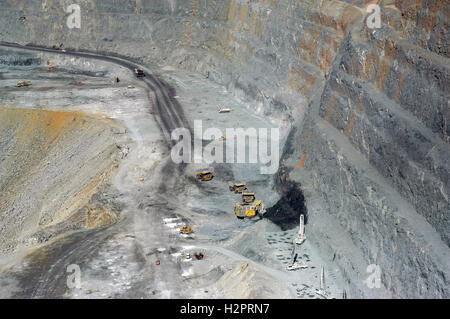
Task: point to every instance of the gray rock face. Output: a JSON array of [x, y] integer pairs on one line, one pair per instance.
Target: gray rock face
[[368, 108]]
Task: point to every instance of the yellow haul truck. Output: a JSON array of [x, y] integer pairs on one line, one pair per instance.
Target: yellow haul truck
[[238, 188], [248, 198], [186, 230], [205, 175], [23, 84], [250, 207]]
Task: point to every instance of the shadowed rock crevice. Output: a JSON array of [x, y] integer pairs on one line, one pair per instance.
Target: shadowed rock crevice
[[286, 212]]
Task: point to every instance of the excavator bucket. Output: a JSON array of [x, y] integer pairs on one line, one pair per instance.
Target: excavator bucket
[[260, 207]]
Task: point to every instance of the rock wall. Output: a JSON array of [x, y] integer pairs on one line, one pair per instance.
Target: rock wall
[[375, 148], [368, 108]]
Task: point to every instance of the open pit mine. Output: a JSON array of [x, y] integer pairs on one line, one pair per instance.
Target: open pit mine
[[222, 149]]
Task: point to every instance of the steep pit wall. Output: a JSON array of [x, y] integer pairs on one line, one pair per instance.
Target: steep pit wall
[[368, 109], [376, 153]]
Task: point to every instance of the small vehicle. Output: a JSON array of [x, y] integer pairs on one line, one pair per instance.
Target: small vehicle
[[186, 230], [158, 262], [185, 256], [139, 73], [199, 256], [238, 188], [224, 110], [297, 265], [205, 175], [23, 84]]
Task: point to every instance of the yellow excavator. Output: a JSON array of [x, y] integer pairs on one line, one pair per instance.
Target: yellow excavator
[[250, 207]]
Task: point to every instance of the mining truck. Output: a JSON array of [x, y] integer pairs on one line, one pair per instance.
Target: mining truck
[[248, 198], [23, 84], [205, 175], [250, 207], [186, 230], [139, 73], [238, 188]]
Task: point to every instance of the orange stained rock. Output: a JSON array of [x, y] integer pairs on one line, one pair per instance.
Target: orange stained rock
[[302, 161], [43, 123]]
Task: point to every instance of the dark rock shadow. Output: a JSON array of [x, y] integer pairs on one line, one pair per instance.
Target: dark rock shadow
[[286, 212]]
